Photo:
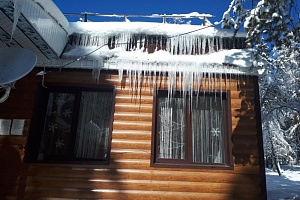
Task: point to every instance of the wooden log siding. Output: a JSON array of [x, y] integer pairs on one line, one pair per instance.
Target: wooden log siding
[[129, 175]]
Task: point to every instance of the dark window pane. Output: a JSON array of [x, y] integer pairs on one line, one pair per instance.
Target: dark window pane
[[207, 130], [171, 135], [93, 125], [57, 128]]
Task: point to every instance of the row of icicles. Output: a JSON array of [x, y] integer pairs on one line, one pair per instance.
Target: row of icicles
[[180, 45]]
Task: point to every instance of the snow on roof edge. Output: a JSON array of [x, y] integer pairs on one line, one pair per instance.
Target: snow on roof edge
[[236, 61], [50, 7], [109, 28]]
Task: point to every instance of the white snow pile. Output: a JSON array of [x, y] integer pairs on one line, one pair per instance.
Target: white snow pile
[[50, 7], [284, 187], [239, 57], [151, 28]]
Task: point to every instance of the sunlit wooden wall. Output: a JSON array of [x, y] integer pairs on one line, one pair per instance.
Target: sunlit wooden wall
[[129, 175]]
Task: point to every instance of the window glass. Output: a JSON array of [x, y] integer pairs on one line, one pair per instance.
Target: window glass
[[191, 130], [207, 130], [171, 134], [17, 126], [5, 126], [93, 125], [57, 127], [73, 125]]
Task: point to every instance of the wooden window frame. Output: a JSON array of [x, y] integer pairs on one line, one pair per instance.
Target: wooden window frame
[[187, 163], [36, 130]]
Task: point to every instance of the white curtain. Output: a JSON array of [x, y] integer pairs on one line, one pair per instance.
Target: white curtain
[[171, 133], [93, 125], [207, 130]]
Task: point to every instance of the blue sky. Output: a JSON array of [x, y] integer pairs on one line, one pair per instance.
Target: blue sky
[[135, 7]]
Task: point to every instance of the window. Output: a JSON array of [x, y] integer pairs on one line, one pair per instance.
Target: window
[[192, 131], [73, 125], [12, 126]]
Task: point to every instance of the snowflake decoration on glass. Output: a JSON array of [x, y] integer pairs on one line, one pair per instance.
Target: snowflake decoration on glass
[[52, 127], [59, 143], [215, 131], [67, 112], [60, 100]]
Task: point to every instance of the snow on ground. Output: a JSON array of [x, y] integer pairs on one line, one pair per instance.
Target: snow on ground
[[286, 186]]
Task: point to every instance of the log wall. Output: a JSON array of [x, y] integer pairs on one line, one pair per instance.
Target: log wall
[[129, 175]]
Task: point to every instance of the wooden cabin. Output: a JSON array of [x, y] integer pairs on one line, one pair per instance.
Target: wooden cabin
[[68, 131]]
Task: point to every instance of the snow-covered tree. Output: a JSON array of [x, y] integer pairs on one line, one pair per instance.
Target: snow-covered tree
[[274, 32]]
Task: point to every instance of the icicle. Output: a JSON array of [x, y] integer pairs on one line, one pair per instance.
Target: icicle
[[142, 44], [178, 46], [154, 77], [191, 89], [215, 80], [18, 5], [134, 79], [97, 65], [203, 45], [230, 80], [139, 80], [159, 77], [120, 71], [220, 79], [221, 43], [210, 45], [129, 76], [171, 83], [209, 73], [204, 82], [180, 80]]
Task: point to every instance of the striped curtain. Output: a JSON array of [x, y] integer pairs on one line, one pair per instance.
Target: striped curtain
[[93, 125]]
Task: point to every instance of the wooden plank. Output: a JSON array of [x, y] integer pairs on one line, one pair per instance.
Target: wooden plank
[[13, 139], [135, 92], [32, 192], [133, 99], [133, 116], [238, 103], [242, 113], [244, 130], [140, 174], [246, 159], [130, 144], [131, 134], [243, 122], [244, 139], [132, 125], [130, 154], [132, 107], [150, 185], [240, 173]]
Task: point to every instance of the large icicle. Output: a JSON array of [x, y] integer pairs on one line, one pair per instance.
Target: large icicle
[[18, 5]]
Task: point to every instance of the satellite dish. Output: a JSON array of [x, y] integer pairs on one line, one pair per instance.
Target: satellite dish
[[15, 63]]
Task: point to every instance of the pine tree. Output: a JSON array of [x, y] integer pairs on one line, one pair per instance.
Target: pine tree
[[275, 35]]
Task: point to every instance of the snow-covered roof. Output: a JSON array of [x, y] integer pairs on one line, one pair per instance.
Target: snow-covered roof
[[149, 28], [54, 11], [94, 37]]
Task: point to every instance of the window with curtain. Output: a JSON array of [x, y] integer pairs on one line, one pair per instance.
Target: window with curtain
[[74, 125], [192, 131]]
